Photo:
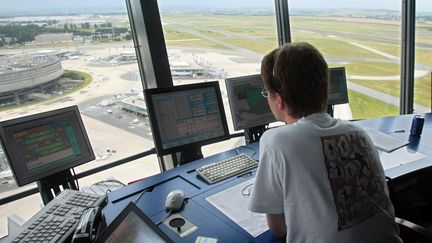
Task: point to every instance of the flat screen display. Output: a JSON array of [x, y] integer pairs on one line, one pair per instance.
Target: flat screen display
[[41, 145], [248, 107], [338, 93], [186, 116], [132, 226]]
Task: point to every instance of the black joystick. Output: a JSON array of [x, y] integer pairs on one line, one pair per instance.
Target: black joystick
[[177, 223]]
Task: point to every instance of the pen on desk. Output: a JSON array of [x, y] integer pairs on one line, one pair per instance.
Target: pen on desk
[[399, 131]]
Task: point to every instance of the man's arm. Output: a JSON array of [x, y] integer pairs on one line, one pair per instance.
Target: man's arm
[[276, 223]]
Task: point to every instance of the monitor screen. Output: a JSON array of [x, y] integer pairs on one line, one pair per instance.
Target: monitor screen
[[186, 116], [132, 226], [248, 107], [43, 144], [338, 93]]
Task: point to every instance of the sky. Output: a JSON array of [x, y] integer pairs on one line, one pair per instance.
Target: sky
[[49, 5]]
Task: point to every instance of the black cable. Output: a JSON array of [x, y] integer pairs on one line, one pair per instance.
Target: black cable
[[164, 217], [254, 150], [75, 178], [246, 191], [106, 193], [140, 195], [132, 194]]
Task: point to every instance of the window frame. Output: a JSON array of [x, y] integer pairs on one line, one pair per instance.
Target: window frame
[[155, 70]]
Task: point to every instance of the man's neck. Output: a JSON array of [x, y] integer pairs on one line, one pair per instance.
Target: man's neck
[[290, 120]]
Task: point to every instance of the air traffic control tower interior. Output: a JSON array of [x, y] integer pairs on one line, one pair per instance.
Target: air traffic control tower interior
[[128, 103]]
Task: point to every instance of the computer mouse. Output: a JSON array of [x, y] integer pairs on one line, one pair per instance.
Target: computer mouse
[[174, 200]]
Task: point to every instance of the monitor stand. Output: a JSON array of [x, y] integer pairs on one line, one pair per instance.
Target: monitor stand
[[330, 110], [253, 134], [190, 154], [50, 186]]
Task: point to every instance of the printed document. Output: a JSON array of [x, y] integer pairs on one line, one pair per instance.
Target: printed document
[[399, 157], [384, 141], [233, 203]]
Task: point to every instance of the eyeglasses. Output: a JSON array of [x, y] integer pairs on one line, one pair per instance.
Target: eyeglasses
[[264, 93]]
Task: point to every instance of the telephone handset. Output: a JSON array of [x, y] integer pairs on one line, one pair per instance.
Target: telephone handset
[[88, 225]]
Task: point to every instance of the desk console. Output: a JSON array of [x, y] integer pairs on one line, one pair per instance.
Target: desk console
[[57, 221]]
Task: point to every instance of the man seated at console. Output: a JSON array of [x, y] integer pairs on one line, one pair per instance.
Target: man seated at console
[[319, 179]]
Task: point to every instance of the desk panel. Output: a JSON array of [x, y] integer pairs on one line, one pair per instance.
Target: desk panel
[[201, 200], [152, 203], [208, 226], [209, 220], [399, 126]]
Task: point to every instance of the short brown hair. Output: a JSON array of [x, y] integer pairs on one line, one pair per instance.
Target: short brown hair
[[299, 74]]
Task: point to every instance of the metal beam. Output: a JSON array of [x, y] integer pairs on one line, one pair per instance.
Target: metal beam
[[151, 51], [282, 22], [149, 43], [407, 65]]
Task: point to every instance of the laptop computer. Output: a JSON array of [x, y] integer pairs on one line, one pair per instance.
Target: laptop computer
[[132, 226]]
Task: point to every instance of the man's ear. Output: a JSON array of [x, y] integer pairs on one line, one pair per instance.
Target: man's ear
[[280, 102]]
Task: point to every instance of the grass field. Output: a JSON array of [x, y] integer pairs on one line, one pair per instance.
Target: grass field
[[364, 106], [372, 68], [422, 88], [366, 47], [337, 48]]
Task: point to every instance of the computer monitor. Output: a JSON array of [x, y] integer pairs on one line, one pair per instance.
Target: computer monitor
[[41, 145], [186, 117], [248, 107], [338, 93], [133, 226]]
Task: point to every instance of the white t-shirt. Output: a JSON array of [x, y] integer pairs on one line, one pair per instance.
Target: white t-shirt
[[325, 176]]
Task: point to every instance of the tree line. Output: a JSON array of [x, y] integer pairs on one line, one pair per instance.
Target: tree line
[[20, 34]]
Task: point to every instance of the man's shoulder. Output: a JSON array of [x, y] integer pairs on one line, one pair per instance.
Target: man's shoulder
[[277, 132], [344, 126], [283, 136], [270, 135]]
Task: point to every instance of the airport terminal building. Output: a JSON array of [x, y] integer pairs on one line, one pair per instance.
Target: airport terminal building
[[21, 76]]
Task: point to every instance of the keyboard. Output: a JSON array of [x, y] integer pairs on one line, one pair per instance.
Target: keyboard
[[226, 168], [57, 221]]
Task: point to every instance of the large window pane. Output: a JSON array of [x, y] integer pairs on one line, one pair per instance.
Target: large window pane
[[423, 57], [60, 53], [214, 40], [363, 36]]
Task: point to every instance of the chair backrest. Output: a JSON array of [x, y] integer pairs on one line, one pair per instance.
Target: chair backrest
[[413, 233]]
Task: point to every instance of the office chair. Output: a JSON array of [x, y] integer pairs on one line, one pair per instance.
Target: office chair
[[413, 233]]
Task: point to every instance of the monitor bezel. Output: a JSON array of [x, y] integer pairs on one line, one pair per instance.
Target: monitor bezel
[[39, 119], [131, 207], [341, 99], [229, 87], [148, 94]]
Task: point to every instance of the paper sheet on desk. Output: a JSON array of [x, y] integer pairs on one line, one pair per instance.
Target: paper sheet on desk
[[384, 141], [399, 157], [233, 203]]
